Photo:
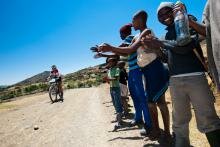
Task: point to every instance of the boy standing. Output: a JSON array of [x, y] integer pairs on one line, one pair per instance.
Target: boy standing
[[113, 77]]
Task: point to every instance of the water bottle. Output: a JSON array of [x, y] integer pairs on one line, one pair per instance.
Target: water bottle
[[182, 25]]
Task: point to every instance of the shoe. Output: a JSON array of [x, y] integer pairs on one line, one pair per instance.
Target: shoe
[[114, 121], [145, 131], [116, 127], [134, 123], [119, 117], [125, 114], [150, 132], [129, 105]]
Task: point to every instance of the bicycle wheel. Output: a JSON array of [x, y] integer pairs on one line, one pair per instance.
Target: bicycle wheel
[[53, 93]]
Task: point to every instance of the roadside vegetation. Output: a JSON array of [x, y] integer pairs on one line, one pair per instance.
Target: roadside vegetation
[[85, 78]]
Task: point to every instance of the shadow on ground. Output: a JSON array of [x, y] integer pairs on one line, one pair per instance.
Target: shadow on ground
[[125, 138]]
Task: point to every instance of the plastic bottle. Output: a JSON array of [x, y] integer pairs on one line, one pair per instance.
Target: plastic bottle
[[181, 25]]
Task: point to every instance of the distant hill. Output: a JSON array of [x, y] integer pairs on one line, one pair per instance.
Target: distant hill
[[39, 78], [3, 86]]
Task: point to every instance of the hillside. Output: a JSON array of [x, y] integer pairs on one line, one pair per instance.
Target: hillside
[[88, 77], [39, 78]]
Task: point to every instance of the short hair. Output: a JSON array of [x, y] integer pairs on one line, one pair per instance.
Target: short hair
[[143, 14], [126, 29], [112, 59]]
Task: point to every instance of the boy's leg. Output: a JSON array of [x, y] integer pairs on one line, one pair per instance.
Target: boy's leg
[[123, 89], [202, 100], [213, 138], [165, 114], [142, 98], [112, 96], [118, 105], [135, 90], [181, 112], [125, 104], [154, 118]]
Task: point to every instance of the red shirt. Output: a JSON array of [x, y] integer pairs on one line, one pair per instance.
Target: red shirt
[[54, 73]]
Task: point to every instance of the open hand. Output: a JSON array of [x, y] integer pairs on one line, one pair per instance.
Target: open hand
[[98, 55], [105, 48], [94, 48]]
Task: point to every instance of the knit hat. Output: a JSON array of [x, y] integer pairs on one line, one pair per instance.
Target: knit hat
[[165, 4]]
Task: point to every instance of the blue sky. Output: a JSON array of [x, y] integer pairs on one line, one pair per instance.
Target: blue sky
[[34, 34]]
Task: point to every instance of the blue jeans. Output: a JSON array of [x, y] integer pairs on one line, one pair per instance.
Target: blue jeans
[[116, 98], [139, 98]]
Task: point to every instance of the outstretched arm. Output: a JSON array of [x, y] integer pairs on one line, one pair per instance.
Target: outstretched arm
[[120, 50], [157, 44], [125, 50], [171, 45]]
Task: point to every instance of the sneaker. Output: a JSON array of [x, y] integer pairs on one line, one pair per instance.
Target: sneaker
[[145, 131], [135, 123], [114, 121], [150, 132], [116, 127], [119, 117]]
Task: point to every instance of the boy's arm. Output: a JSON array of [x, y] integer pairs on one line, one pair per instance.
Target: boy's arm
[[200, 28], [157, 44], [116, 76], [121, 50], [125, 50], [108, 56], [112, 79], [171, 45], [113, 56]]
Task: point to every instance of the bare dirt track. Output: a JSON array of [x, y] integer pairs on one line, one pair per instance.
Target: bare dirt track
[[82, 120]]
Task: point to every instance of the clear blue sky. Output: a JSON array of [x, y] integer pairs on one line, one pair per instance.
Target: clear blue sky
[[34, 34]]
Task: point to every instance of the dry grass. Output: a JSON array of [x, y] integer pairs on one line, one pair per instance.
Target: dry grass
[[197, 139]]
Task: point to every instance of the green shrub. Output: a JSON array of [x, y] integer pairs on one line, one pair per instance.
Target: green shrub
[[31, 88], [19, 92], [43, 86], [81, 85]]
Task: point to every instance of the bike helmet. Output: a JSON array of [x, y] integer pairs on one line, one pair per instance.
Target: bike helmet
[[53, 66]]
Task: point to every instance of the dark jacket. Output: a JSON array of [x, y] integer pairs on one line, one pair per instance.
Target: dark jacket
[[182, 59]]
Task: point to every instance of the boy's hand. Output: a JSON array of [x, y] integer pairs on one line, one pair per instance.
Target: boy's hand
[[105, 48], [48, 78], [94, 49], [178, 7], [151, 42], [98, 55]]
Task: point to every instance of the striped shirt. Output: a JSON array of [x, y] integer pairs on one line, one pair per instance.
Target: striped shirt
[[132, 58]]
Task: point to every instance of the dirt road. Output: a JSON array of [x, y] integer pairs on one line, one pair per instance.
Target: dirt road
[[82, 120]]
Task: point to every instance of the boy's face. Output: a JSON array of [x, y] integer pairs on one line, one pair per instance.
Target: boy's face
[[165, 16], [112, 63], [136, 23], [121, 65]]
